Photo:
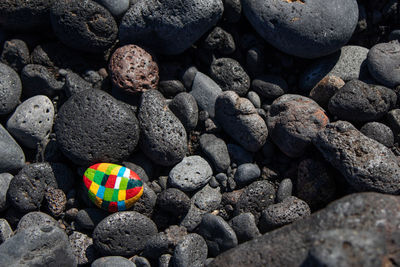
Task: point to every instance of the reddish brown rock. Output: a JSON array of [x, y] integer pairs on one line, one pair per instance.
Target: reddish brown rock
[[56, 201], [133, 69], [325, 89]]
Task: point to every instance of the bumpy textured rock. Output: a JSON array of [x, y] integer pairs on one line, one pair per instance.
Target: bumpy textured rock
[[384, 63], [83, 248], [289, 246], [32, 121], [293, 120], [365, 163], [94, 127], [216, 151], [221, 41], [83, 25], [229, 75], [173, 201], [5, 230], [35, 218], [325, 89], [190, 174], [163, 137], [123, 233], [10, 89], [379, 132], [133, 69], [358, 101], [15, 54], [239, 118], [269, 86], [75, 84], [184, 106], [295, 27], [55, 202], [11, 155], [24, 15], [38, 80], [169, 27], [5, 179], [245, 227], [191, 251], [38, 246]]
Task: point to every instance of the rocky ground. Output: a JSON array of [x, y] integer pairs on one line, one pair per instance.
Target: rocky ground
[[266, 133]]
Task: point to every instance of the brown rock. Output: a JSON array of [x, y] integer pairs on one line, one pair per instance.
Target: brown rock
[[56, 201], [133, 69], [325, 89]]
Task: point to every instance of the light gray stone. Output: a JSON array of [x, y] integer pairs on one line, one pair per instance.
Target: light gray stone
[[5, 179], [11, 155]]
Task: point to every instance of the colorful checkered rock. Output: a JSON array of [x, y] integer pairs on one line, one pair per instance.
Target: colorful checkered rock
[[112, 187]]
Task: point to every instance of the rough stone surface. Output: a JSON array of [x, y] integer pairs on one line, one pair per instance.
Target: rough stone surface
[[11, 155], [83, 25], [35, 218], [379, 132], [216, 151], [55, 202], [365, 163], [325, 89], [269, 86], [133, 69], [38, 246], [123, 233], [190, 174], [163, 137], [293, 120], [245, 227], [169, 27], [295, 27], [83, 248], [383, 63], [5, 179], [174, 201], [5, 230], [239, 118], [15, 54], [10, 89], [358, 101], [191, 251], [94, 127], [75, 84], [39, 80], [32, 121], [184, 106], [221, 41]]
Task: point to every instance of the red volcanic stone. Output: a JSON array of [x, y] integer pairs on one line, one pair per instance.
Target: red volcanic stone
[[133, 69]]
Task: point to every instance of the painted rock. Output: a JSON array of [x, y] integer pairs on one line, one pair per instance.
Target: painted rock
[[112, 187]]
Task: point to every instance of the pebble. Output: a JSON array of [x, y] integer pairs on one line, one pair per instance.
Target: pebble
[[284, 190], [89, 218], [188, 75], [140, 261], [289, 210], [116, 8], [133, 69], [112, 261], [255, 198], [216, 151], [83, 248], [171, 87], [239, 155], [239, 119], [38, 80], [85, 138], [293, 121], [184, 106], [5, 230], [246, 174], [192, 218], [221, 41], [217, 233], [379, 132], [174, 201], [191, 251], [10, 89], [164, 260], [163, 137], [15, 54], [245, 227], [83, 25], [269, 86], [55, 202], [254, 99], [123, 233], [394, 35], [295, 28], [230, 75], [325, 89], [146, 203], [366, 164], [169, 27], [359, 102], [5, 179], [383, 63], [32, 121], [190, 174], [75, 84], [205, 91], [35, 219], [39, 245], [207, 199], [348, 64], [112, 187]]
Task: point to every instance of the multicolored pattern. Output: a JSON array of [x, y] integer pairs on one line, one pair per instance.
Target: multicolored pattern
[[112, 187]]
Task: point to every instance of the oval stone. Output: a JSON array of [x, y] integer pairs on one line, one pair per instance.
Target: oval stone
[[112, 187]]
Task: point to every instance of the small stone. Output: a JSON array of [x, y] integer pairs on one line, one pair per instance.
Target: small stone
[[171, 87], [35, 218], [174, 201], [216, 151], [293, 120], [10, 89], [75, 84], [133, 69], [112, 261], [269, 86], [289, 210], [190, 174], [140, 261], [32, 121], [5, 179], [116, 8], [205, 91], [123, 233], [192, 218], [207, 199], [239, 155], [83, 248], [246, 174], [221, 41], [383, 63], [164, 260], [379, 132], [325, 89], [112, 187], [55, 201], [245, 227], [38, 80], [284, 190], [188, 75], [146, 203], [191, 251], [217, 233], [5, 230], [240, 120], [184, 106], [88, 218], [254, 99], [229, 75], [15, 54]]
